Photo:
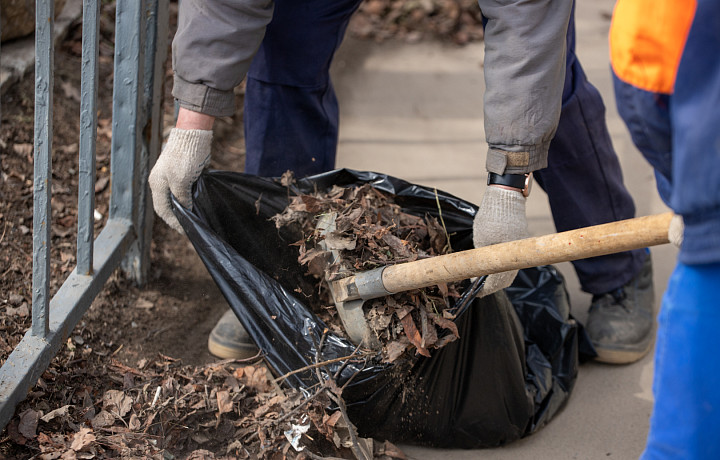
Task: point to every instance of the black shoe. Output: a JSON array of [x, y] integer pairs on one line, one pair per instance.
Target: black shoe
[[229, 339], [620, 322]]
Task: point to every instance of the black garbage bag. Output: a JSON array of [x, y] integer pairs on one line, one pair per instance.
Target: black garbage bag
[[510, 372]]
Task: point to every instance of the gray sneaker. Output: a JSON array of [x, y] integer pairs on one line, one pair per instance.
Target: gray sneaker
[[620, 323], [229, 339]]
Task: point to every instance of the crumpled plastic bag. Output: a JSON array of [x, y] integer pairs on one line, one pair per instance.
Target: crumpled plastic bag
[[510, 372]]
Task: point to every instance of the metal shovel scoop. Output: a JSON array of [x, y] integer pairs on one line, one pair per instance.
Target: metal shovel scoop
[[350, 293], [351, 310]]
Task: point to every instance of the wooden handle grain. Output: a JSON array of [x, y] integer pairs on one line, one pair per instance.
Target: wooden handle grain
[[582, 243]]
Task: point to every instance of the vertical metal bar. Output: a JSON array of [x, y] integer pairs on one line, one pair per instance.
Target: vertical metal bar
[[88, 136], [42, 187], [155, 46], [127, 103]]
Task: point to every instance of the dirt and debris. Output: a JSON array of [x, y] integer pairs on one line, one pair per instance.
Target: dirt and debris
[[134, 379], [225, 409], [364, 229]]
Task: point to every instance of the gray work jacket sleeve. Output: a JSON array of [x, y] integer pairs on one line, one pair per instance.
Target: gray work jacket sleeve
[[212, 50], [525, 43]]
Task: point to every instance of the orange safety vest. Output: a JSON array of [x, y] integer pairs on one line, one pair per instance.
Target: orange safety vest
[[647, 39]]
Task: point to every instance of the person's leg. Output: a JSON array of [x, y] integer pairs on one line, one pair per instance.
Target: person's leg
[[685, 419], [584, 184], [291, 112], [583, 180]]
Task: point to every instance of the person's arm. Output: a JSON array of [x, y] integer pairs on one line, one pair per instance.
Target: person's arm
[[212, 50], [695, 120], [215, 42], [524, 69], [187, 119], [524, 76]]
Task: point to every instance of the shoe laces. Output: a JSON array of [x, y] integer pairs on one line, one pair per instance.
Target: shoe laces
[[615, 297], [618, 294]]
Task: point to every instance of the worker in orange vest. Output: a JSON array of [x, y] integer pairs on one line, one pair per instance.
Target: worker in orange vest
[[666, 63]]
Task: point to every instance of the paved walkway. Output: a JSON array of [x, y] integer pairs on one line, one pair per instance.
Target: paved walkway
[[17, 57], [415, 111]]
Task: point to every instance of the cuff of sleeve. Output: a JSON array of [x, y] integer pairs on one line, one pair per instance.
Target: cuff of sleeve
[[701, 240], [530, 159], [204, 99]]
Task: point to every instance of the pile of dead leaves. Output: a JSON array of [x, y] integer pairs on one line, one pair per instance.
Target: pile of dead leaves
[[164, 410], [458, 21], [348, 230]]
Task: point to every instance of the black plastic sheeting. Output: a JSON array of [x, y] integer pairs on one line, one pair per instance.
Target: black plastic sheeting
[[511, 371]]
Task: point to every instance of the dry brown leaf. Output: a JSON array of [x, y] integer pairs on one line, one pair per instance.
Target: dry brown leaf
[[310, 204], [72, 455], [443, 288], [201, 454], [146, 305], [224, 401], [134, 424], [28, 423], [46, 442], [22, 311], [394, 350], [117, 402], [413, 334], [101, 184], [287, 178], [391, 450], [103, 419], [331, 420], [70, 91], [105, 128], [255, 377], [61, 412], [198, 405], [438, 239], [336, 241], [262, 410], [445, 340], [52, 455], [70, 148], [23, 149], [57, 204], [446, 323], [82, 439], [401, 247]]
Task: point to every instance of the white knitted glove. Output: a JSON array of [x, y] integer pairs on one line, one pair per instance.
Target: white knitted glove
[[500, 218], [676, 230], [185, 155]]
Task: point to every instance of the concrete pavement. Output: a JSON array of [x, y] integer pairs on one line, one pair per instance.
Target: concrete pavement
[[18, 55], [415, 111]]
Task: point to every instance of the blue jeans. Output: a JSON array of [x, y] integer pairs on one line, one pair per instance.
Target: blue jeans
[[291, 122]]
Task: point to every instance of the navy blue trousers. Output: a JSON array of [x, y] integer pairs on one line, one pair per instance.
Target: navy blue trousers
[[291, 122]]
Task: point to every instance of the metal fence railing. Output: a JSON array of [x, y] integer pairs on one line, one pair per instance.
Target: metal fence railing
[[124, 241]]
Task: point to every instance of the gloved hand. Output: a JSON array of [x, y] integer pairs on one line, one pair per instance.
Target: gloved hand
[[676, 230], [185, 155], [500, 218]]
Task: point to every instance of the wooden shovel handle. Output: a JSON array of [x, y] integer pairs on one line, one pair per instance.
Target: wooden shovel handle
[[582, 243]]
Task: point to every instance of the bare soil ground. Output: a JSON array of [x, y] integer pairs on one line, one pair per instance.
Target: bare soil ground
[[146, 343]]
